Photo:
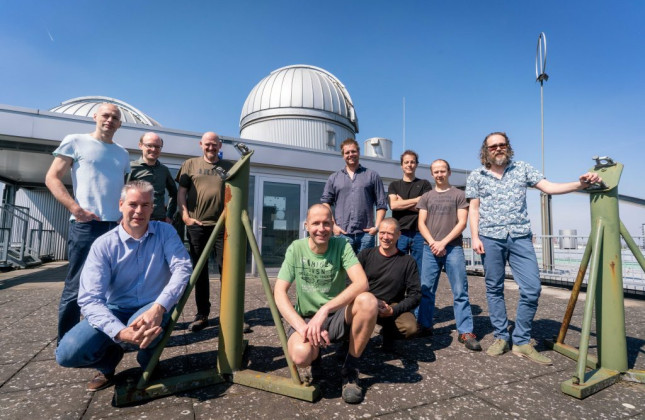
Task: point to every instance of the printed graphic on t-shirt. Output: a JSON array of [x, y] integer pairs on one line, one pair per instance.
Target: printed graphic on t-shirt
[[316, 275]]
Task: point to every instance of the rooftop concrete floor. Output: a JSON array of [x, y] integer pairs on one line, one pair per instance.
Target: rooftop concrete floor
[[434, 377]]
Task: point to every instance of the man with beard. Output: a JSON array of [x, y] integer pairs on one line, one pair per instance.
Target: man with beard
[[326, 311], [501, 232]]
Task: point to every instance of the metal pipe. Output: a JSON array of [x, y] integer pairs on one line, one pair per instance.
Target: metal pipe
[[269, 295], [179, 307], [230, 344], [632, 246], [597, 242], [575, 292]]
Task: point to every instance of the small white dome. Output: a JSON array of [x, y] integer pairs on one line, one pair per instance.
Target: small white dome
[[86, 106], [300, 91]]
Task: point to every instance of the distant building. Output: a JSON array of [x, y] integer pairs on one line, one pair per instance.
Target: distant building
[[294, 119]]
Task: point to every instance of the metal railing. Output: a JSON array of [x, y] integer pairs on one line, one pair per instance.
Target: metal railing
[[567, 254], [23, 241]]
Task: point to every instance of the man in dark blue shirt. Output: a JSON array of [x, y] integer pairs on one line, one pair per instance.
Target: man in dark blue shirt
[[354, 191]]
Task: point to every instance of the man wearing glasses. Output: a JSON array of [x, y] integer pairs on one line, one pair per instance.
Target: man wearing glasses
[[149, 169], [501, 232], [98, 167], [201, 201]]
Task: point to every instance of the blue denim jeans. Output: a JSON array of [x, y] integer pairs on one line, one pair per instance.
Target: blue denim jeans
[[411, 242], [359, 241], [455, 264], [520, 255], [79, 241], [86, 347]]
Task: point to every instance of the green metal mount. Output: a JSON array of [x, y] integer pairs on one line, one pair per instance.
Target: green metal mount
[[604, 290], [231, 345]]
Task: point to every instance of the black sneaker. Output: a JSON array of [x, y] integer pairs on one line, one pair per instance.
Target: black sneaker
[[424, 331], [341, 351], [352, 391], [470, 341], [199, 323]]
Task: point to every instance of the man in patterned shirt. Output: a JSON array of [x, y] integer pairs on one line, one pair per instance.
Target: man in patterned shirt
[[501, 232]]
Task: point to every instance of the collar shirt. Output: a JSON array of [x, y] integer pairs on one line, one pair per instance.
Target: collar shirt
[[161, 179], [354, 199], [122, 272], [502, 202]]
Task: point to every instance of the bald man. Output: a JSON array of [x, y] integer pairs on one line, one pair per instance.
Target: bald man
[[99, 167], [201, 201], [149, 169]]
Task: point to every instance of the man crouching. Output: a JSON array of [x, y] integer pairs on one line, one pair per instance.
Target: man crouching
[[326, 312], [132, 278]]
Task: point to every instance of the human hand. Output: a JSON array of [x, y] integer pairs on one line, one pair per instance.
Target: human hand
[[477, 246], [372, 231], [189, 221], [338, 231], [384, 310], [82, 216]]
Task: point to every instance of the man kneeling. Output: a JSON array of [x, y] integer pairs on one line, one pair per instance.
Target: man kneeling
[[394, 280], [134, 275], [326, 311]]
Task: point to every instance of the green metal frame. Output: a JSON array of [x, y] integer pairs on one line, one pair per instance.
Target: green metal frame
[[231, 345], [604, 290]]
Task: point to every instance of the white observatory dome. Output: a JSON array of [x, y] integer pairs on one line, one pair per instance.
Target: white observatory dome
[[86, 106], [299, 105]]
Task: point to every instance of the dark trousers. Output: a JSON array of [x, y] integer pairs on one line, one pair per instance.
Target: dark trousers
[[197, 238], [79, 241]]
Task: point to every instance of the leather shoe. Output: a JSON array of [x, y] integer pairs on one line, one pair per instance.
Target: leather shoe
[[100, 381]]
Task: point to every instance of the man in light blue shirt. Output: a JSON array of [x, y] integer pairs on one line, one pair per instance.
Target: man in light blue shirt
[[501, 232], [98, 166], [132, 278]]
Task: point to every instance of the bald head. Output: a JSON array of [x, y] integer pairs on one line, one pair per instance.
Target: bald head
[[150, 137], [211, 145], [150, 144], [316, 208], [108, 120]]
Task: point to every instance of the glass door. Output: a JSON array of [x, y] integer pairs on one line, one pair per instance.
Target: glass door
[[281, 218]]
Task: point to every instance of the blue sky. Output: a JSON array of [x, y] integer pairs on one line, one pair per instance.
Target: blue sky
[[465, 68]]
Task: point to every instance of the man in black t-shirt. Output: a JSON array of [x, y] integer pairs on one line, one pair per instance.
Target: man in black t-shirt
[[403, 195], [394, 280]]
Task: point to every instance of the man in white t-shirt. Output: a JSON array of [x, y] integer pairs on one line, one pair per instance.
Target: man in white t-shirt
[[98, 168]]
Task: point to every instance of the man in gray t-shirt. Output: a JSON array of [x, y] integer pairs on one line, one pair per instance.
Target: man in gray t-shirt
[[443, 213]]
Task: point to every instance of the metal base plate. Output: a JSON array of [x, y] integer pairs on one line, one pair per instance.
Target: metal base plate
[[128, 393], [594, 381], [572, 353], [276, 384]]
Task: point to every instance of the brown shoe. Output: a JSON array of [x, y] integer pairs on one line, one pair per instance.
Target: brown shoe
[[199, 323], [100, 381]]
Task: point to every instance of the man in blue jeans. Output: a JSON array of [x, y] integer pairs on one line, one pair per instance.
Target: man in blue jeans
[[132, 278], [354, 191], [443, 213], [404, 194], [98, 168], [501, 232]]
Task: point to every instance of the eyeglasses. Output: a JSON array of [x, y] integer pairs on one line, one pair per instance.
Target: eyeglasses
[[501, 146], [152, 146]]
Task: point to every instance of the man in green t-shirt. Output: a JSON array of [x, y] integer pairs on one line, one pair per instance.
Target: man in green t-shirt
[[326, 311]]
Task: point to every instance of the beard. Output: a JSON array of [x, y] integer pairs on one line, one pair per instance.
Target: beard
[[500, 159]]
